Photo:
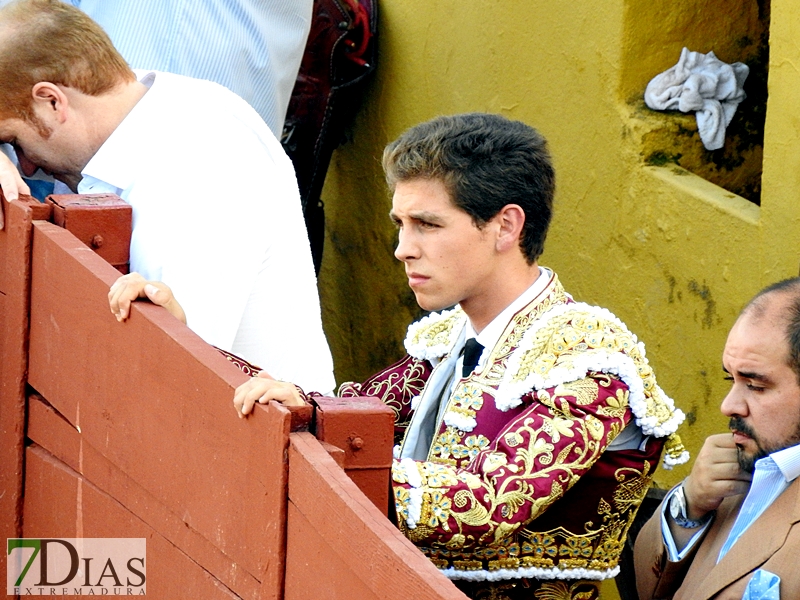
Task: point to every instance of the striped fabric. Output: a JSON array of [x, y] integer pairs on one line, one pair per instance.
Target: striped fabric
[[772, 476], [252, 47]]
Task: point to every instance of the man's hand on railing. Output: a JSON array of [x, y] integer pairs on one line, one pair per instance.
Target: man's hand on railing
[[262, 389], [12, 184], [133, 286]]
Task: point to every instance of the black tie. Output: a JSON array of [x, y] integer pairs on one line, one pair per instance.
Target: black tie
[[472, 353]]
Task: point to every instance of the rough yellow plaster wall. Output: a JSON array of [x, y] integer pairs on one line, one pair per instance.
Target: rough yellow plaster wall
[[656, 31], [671, 254], [781, 179], [529, 61]]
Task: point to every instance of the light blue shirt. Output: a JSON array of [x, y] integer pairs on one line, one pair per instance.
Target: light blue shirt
[[252, 47], [773, 474]]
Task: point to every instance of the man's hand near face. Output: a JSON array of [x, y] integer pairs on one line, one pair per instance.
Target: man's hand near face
[[715, 476], [11, 183], [133, 286]]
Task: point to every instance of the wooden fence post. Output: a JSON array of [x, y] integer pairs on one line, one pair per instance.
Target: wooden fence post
[[15, 249]]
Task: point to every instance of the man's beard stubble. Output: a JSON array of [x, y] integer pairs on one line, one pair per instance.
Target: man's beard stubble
[[747, 463]]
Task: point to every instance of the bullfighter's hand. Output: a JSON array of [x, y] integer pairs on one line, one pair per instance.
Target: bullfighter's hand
[[262, 389]]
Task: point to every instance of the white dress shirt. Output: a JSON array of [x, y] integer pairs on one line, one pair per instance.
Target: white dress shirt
[[236, 256]]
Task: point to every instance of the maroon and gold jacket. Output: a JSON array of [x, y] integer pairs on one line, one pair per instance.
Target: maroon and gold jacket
[[519, 480]]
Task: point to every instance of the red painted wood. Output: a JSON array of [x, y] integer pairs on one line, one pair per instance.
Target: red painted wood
[[137, 437], [61, 503], [315, 569], [60, 439], [336, 453], [375, 485], [335, 530], [364, 428], [154, 402], [101, 221], [15, 245], [301, 417]]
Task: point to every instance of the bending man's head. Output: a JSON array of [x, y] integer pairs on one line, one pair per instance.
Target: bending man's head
[[485, 162], [49, 40]]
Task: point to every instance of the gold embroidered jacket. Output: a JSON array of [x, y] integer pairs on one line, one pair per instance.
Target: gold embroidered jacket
[[518, 482]]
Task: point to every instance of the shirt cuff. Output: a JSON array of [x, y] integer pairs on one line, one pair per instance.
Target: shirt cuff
[[672, 551]]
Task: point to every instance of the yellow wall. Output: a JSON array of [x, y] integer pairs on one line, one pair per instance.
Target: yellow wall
[[671, 254]]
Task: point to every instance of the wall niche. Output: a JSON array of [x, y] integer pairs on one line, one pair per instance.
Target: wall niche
[[735, 34]]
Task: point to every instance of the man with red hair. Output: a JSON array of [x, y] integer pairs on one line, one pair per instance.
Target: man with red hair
[[184, 153]]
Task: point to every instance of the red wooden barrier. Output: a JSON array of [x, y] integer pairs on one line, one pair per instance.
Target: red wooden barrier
[[339, 545], [364, 429], [131, 433], [15, 247], [101, 221], [73, 506], [140, 413]]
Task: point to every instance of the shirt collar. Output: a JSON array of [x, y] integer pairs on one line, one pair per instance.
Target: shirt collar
[[111, 163], [788, 461], [491, 333]]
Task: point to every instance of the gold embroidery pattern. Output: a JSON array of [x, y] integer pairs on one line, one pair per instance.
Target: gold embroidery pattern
[[571, 335], [597, 548], [438, 331], [402, 500], [486, 520], [492, 375], [527, 589], [628, 496], [615, 405], [584, 391], [497, 591], [467, 399], [560, 590], [394, 387], [435, 476], [473, 444], [507, 486], [446, 446], [469, 396]]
